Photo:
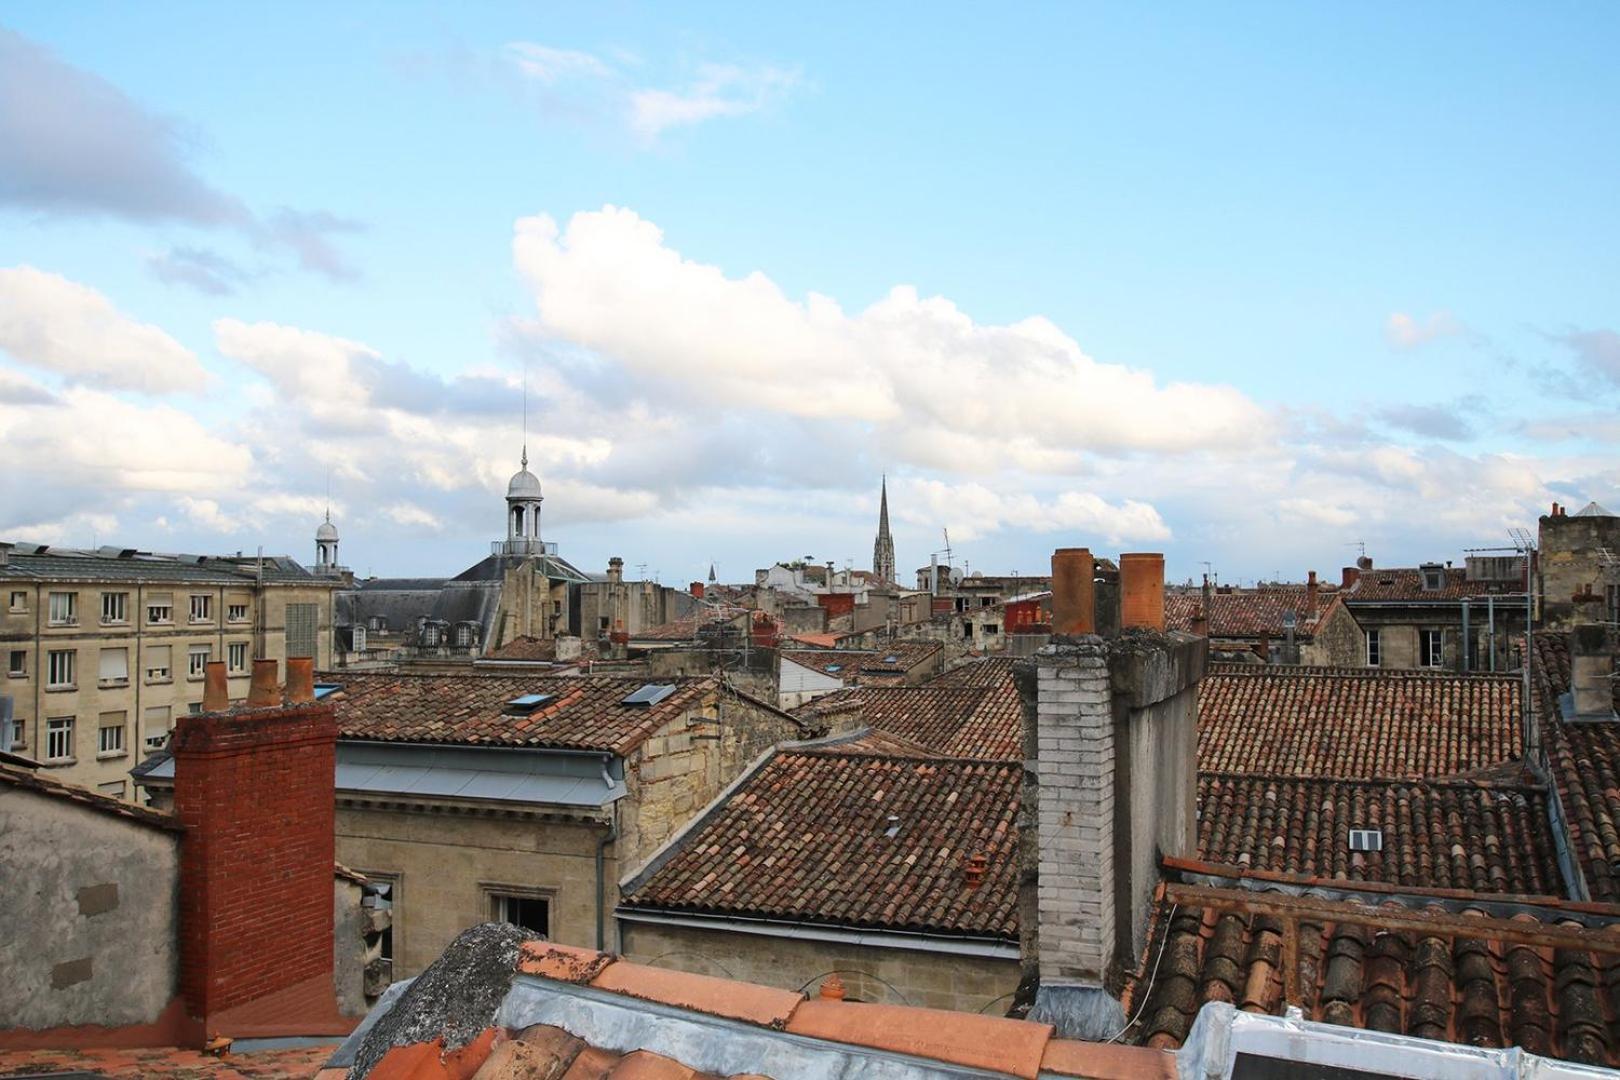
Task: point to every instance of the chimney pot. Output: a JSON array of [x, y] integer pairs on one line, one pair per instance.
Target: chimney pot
[[264, 691], [1351, 575], [216, 692], [832, 988], [1141, 580], [697, 590], [974, 871], [300, 680], [1074, 609]]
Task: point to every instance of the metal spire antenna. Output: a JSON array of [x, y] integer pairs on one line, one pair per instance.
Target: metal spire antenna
[[525, 412]]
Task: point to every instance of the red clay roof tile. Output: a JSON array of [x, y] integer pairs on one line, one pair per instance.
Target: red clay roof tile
[[1245, 613], [31, 780], [1585, 760], [564, 963], [950, 720]]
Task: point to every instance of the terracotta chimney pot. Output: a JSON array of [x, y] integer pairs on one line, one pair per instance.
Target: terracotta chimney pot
[[216, 692], [264, 691], [1141, 586], [1074, 603], [300, 680], [974, 873], [832, 988]]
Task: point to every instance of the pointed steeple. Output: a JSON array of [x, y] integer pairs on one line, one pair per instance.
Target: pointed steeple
[[883, 548], [712, 578]]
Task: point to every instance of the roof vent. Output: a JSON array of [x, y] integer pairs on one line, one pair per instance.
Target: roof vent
[[649, 695], [892, 658], [1366, 840], [894, 827], [526, 704], [834, 667]]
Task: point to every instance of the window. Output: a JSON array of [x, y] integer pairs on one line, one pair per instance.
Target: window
[[17, 733], [992, 628], [160, 608], [64, 608], [986, 601], [302, 620], [115, 607], [114, 669], [530, 911], [157, 726], [197, 661], [236, 657], [19, 600], [359, 639], [59, 738], [60, 668], [114, 788], [1611, 603], [111, 742], [379, 625], [236, 613], [157, 663], [1434, 577], [381, 891], [1366, 840], [602, 624], [17, 665], [1372, 648], [967, 629], [1431, 648], [202, 607], [463, 634], [430, 634]]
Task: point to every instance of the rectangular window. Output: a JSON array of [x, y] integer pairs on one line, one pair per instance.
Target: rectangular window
[[18, 731], [157, 726], [160, 609], [236, 613], [197, 661], [1372, 648], [381, 891], [60, 668], [1611, 603], [19, 600], [64, 608], [236, 657], [17, 665], [202, 607], [113, 789], [115, 607], [530, 911], [359, 639], [59, 738], [111, 741], [301, 629], [114, 669], [1431, 648], [157, 663]]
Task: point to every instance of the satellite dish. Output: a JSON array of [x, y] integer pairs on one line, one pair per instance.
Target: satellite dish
[[955, 576]]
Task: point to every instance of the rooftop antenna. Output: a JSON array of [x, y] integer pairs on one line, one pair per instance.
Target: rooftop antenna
[[329, 495], [1360, 546], [947, 533], [525, 413]]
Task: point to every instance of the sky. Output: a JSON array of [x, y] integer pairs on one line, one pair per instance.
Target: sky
[[1256, 285]]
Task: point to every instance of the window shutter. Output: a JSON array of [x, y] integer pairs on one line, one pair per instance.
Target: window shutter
[[301, 628], [114, 664]]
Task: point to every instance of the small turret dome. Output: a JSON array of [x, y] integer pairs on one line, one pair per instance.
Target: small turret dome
[[326, 531], [524, 485]]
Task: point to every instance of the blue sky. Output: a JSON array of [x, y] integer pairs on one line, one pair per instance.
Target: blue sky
[[1245, 284]]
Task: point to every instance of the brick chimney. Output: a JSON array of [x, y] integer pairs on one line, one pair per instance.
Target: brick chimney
[[1111, 723], [697, 590], [1352, 574], [1591, 672], [253, 788], [1310, 596]]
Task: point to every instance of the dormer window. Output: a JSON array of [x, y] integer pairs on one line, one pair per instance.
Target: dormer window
[[1434, 577]]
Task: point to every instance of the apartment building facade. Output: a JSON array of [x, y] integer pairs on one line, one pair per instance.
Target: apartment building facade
[[104, 650]]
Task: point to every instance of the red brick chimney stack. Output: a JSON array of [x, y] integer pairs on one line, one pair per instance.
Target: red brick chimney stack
[[253, 788], [1310, 596], [1141, 584], [1074, 602], [697, 590]]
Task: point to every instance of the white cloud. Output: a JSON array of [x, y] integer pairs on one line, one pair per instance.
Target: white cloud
[[719, 90], [1405, 331], [973, 510], [315, 371], [551, 65], [411, 515], [49, 322]]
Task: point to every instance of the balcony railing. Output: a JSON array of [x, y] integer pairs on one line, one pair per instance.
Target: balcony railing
[[523, 547]]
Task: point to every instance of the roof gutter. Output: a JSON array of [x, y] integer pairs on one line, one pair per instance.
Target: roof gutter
[[982, 947]]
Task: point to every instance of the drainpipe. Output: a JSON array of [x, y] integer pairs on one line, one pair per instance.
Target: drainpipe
[[1467, 642], [1490, 622], [601, 874]]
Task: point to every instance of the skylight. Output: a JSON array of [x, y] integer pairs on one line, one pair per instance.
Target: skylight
[[322, 689], [1366, 840], [649, 695], [527, 703], [834, 667], [892, 658]]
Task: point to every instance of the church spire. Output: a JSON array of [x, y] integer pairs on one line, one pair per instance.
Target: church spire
[[883, 548]]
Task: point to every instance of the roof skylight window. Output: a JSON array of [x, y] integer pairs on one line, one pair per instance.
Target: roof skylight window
[[649, 695]]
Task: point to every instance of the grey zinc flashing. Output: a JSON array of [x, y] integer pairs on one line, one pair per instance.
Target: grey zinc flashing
[[505, 774]]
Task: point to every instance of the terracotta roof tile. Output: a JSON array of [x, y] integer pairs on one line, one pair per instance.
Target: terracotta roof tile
[[1481, 836], [1356, 723], [992, 671], [760, 1005], [1245, 613], [32, 780], [166, 1063], [1405, 584], [805, 838], [708, 620], [583, 712], [564, 963], [1378, 968], [864, 664], [1585, 759], [953, 721]]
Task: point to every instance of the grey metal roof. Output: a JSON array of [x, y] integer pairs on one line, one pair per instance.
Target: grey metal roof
[[1592, 509], [43, 563]]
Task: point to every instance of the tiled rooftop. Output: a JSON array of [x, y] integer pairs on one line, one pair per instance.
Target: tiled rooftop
[[1356, 723], [806, 838], [993, 671], [584, 712], [952, 721], [164, 1063], [1245, 613], [1473, 835], [690, 627], [893, 660], [1454, 971], [1406, 584], [1585, 760], [32, 780]]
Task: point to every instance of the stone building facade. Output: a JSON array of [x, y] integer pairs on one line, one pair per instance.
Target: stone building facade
[[1578, 567], [105, 650]]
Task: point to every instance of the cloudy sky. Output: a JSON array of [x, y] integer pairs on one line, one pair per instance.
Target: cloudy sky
[[1248, 285]]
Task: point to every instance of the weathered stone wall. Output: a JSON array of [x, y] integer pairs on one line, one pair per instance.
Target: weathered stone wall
[[444, 867], [869, 973], [90, 908], [349, 947], [1570, 560], [1337, 641]]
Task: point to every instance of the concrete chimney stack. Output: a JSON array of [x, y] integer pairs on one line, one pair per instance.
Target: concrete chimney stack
[[616, 570]]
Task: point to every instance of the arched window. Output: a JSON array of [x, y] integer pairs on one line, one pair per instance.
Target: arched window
[[463, 634], [517, 521]]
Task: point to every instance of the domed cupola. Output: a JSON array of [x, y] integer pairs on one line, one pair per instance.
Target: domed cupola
[[523, 500], [326, 544]]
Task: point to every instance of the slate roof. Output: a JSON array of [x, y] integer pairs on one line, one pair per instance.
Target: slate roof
[[865, 663], [952, 721], [584, 713], [1585, 759], [28, 780], [1356, 723], [1245, 613], [71, 565], [1484, 836], [1535, 978], [1405, 585], [805, 839]]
